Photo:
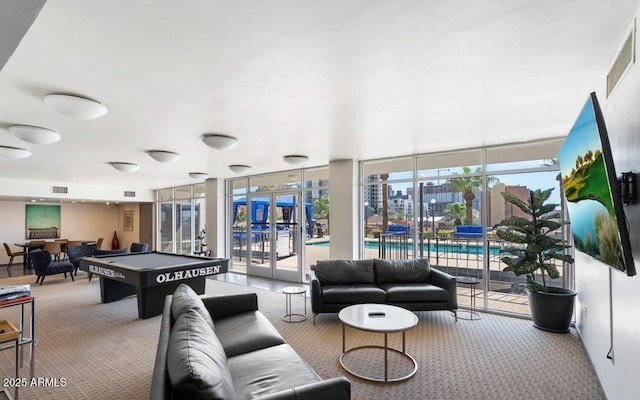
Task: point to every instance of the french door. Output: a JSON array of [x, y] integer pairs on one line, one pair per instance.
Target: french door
[[274, 236]]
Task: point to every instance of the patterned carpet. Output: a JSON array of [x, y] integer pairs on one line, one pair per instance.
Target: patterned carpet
[[105, 352]]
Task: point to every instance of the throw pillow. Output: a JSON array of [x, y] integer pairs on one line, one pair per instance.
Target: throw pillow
[[185, 298], [196, 361]]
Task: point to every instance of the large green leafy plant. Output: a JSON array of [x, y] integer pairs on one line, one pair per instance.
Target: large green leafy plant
[[534, 247]]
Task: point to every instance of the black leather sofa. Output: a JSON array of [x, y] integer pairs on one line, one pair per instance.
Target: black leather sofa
[[222, 347], [411, 284]]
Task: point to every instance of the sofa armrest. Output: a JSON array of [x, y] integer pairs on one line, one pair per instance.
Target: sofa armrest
[[335, 389], [160, 384], [316, 294], [224, 306], [448, 282]]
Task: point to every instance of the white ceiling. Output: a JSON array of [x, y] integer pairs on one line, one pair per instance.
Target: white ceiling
[[331, 79]]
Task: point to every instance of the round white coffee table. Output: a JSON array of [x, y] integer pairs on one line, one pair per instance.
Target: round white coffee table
[[380, 318]]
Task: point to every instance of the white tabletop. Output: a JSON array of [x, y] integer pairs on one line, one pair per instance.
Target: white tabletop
[[395, 319], [294, 290]]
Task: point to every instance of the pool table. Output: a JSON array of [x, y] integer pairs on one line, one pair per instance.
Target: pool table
[[150, 276]]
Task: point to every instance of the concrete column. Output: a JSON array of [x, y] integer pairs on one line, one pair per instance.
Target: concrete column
[[343, 210]]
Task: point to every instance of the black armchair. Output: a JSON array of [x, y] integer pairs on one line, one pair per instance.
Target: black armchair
[[75, 253], [43, 266], [139, 247]]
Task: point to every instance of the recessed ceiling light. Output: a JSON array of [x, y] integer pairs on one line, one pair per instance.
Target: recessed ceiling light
[[198, 175], [240, 169], [220, 142], [125, 166], [163, 156], [13, 153], [75, 106], [295, 159], [34, 134]]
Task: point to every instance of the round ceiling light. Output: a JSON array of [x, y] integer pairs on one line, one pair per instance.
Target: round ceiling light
[[34, 134], [163, 156], [13, 153], [295, 159], [220, 142], [240, 169], [198, 175], [125, 166], [75, 106]]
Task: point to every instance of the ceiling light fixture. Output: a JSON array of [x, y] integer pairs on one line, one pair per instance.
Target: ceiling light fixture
[[125, 166], [295, 159], [75, 106], [198, 175], [34, 134], [240, 169], [220, 142], [163, 156], [13, 153]]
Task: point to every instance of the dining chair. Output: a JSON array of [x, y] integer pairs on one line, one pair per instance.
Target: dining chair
[[54, 248], [63, 247], [11, 255]]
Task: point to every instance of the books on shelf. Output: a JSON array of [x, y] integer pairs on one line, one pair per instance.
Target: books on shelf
[[14, 295]]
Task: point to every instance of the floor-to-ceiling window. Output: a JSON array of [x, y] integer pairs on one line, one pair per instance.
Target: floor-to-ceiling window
[[181, 216], [444, 207]]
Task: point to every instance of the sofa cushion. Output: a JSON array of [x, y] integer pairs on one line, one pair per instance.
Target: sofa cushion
[[352, 294], [338, 272], [402, 271], [184, 298], [414, 292], [196, 362], [268, 371], [246, 332]]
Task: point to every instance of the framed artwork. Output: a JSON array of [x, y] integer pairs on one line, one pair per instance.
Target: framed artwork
[[42, 221], [128, 220]]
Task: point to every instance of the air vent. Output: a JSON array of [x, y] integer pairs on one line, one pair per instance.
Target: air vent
[[59, 189], [129, 194], [625, 58]]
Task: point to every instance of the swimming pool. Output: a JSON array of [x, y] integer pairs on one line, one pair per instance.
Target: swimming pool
[[463, 248]]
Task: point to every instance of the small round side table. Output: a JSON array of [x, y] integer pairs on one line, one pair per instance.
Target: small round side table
[[472, 282], [289, 315]]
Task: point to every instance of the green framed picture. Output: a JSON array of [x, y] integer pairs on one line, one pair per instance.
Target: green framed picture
[[42, 221]]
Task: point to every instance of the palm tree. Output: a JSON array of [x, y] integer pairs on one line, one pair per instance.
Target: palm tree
[[455, 211], [385, 202], [467, 185]]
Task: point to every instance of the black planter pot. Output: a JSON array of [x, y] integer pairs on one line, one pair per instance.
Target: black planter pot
[[552, 311]]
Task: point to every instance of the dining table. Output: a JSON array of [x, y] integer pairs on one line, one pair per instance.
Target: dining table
[[29, 246]]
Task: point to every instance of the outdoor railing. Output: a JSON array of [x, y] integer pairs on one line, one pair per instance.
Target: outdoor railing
[[458, 257], [393, 246]]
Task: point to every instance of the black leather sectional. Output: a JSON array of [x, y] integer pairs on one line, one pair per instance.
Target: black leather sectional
[[222, 347], [411, 284]]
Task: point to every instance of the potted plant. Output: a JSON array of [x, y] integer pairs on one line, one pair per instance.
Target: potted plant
[[534, 250]]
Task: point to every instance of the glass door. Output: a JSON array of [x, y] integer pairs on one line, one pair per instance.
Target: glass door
[[274, 236]]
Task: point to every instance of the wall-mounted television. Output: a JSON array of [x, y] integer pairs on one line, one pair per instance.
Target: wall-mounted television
[[590, 185]]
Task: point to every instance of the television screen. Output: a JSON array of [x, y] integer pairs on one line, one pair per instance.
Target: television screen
[[590, 185]]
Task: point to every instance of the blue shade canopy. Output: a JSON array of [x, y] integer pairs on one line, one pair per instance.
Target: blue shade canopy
[[260, 209]]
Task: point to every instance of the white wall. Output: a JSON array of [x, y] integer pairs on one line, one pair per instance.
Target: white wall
[[593, 279], [79, 221]]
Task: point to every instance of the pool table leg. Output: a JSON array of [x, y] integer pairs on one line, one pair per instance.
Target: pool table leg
[[112, 290]]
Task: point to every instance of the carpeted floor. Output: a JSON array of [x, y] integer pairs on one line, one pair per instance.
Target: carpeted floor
[[105, 352]]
